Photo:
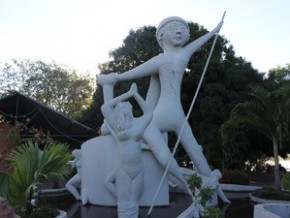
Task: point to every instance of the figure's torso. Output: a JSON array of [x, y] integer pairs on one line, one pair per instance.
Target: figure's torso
[[170, 73], [169, 109], [129, 157]]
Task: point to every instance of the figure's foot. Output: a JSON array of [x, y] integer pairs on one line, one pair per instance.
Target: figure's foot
[[178, 187], [226, 201], [171, 184], [84, 199], [222, 195]]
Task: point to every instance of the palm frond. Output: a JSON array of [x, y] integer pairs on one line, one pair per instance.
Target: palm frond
[[32, 166], [4, 185]]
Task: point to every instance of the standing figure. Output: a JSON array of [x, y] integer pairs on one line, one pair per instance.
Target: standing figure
[[74, 183], [126, 182], [167, 70]]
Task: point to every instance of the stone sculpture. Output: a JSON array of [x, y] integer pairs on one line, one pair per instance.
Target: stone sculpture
[[74, 183], [121, 178], [166, 71], [126, 181]]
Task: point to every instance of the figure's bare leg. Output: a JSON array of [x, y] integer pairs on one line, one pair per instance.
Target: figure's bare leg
[[110, 183], [159, 147], [71, 186], [194, 150], [125, 189], [137, 187], [195, 153], [124, 186]]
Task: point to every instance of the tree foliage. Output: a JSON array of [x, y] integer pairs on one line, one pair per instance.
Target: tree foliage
[[268, 113], [139, 46], [278, 77], [226, 83], [56, 86], [10, 78]]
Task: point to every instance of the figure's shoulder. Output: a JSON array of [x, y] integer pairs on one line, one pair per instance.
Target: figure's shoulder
[[160, 54], [155, 61], [160, 58]]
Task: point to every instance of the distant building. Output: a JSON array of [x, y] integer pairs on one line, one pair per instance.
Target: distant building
[[17, 106]]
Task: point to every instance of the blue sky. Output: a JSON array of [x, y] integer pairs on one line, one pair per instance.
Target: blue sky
[[80, 33]]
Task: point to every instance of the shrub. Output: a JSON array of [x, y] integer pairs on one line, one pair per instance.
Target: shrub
[[270, 193], [235, 177], [31, 167], [202, 195], [286, 181]]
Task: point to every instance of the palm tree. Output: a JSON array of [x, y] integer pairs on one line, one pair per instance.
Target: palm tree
[[268, 113], [31, 167]]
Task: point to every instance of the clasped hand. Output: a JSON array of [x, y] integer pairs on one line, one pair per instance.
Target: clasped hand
[[107, 79], [133, 90]]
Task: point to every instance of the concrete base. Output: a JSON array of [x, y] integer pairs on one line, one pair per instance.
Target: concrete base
[[272, 210], [62, 214], [263, 200], [234, 191]]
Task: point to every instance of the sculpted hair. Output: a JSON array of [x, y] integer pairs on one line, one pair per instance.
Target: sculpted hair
[[123, 117]]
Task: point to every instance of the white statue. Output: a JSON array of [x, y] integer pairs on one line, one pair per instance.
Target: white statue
[[167, 70], [126, 182], [74, 183]]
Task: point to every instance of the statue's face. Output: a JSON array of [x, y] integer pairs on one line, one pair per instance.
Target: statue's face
[[176, 33]]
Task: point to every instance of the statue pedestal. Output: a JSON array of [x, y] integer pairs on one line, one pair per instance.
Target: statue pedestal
[[98, 161]]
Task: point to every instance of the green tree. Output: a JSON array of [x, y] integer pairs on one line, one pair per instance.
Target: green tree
[[226, 83], [277, 77], [10, 79], [56, 86], [139, 46], [32, 166], [253, 147], [268, 113]]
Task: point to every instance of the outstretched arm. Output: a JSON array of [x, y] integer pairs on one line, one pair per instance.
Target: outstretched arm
[[148, 68], [196, 44]]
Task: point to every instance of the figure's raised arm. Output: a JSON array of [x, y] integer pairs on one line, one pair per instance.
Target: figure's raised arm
[[196, 44], [142, 103], [108, 107], [145, 119]]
